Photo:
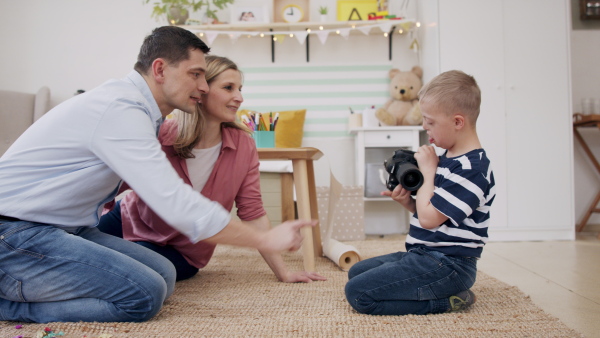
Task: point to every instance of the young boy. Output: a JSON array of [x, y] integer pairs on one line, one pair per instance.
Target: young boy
[[451, 213]]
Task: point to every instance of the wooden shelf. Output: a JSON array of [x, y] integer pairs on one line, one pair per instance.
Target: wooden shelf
[[589, 9], [285, 27], [580, 120], [396, 27]]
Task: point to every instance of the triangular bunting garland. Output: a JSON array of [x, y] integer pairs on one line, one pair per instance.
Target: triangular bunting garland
[[407, 26], [210, 36], [414, 45], [301, 36], [365, 29], [345, 32], [234, 36], [323, 36], [279, 37], [385, 27]]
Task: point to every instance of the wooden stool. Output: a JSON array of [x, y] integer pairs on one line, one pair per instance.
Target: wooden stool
[[303, 178], [587, 121], [288, 205]]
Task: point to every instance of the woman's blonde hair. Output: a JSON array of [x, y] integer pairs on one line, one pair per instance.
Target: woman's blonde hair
[[454, 91], [190, 126]]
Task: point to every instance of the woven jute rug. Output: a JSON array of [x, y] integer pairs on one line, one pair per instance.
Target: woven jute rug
[[237, 295]]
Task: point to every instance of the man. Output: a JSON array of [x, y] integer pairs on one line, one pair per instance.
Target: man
[[54, 264]]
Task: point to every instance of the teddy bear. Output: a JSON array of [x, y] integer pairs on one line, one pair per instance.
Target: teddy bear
[[402, 109]]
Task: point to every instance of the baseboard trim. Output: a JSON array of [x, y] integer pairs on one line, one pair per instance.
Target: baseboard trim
[[519, 235]]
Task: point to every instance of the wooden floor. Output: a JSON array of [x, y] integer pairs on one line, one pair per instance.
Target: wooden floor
[[562, 277]]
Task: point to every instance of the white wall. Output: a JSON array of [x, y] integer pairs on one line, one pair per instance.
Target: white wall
[[79, 44], [73, 44], [69, 44], [585, 49]]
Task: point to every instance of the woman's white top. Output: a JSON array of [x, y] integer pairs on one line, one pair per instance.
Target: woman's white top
[[200, 167]]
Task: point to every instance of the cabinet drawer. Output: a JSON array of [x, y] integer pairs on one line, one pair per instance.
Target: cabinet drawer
[[387, 138]]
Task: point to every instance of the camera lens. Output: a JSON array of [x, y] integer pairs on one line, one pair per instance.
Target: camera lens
[[412, 181], [403, 170], [410, 177]]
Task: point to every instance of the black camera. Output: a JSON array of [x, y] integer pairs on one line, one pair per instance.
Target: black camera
[[403, 170]]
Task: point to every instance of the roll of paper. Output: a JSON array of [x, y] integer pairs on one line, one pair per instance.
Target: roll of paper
[[343, 255]]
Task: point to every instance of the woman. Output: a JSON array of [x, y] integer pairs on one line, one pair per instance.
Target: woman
[[218, 158]]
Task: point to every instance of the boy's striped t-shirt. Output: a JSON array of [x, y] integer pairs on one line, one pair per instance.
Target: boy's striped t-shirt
[[464, 191]]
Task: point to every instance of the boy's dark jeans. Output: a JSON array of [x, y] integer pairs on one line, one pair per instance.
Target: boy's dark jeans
[[415, 282]]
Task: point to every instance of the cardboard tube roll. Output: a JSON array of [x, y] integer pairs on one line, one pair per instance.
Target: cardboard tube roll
[[343, 255]]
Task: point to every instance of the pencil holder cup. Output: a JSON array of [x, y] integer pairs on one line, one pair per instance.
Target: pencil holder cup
[[264, 139], [355, 121]]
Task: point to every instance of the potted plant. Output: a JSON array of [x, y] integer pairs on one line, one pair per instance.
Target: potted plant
[[323, 12], [178, 11], [220, 4]]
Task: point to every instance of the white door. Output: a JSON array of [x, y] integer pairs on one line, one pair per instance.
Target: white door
[[518, 51], [472, 40]]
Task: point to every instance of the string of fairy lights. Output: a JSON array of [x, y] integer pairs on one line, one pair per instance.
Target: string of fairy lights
[[404, 26]]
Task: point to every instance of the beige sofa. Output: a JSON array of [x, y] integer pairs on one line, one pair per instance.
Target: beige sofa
[[18, 111]]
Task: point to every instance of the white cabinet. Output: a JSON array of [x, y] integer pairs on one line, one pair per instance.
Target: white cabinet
[[373, 145], [518, 51]]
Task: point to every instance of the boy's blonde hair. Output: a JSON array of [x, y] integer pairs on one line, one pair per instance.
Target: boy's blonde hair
[[453, 92], [190, 126]]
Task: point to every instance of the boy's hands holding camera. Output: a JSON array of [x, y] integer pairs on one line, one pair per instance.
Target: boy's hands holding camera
[[428, 161], [429, 216], [402, 196]]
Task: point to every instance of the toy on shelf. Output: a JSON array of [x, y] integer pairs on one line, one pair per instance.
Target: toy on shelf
[[402, 109]]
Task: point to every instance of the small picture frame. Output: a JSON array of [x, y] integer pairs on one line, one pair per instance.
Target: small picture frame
[[241, 14]]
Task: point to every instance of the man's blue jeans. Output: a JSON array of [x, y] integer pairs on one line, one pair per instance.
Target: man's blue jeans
[[416, 282], [48, 274], [111, 223]]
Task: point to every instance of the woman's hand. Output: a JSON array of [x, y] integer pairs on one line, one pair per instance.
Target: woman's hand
[[274, 259], [302, 277]]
